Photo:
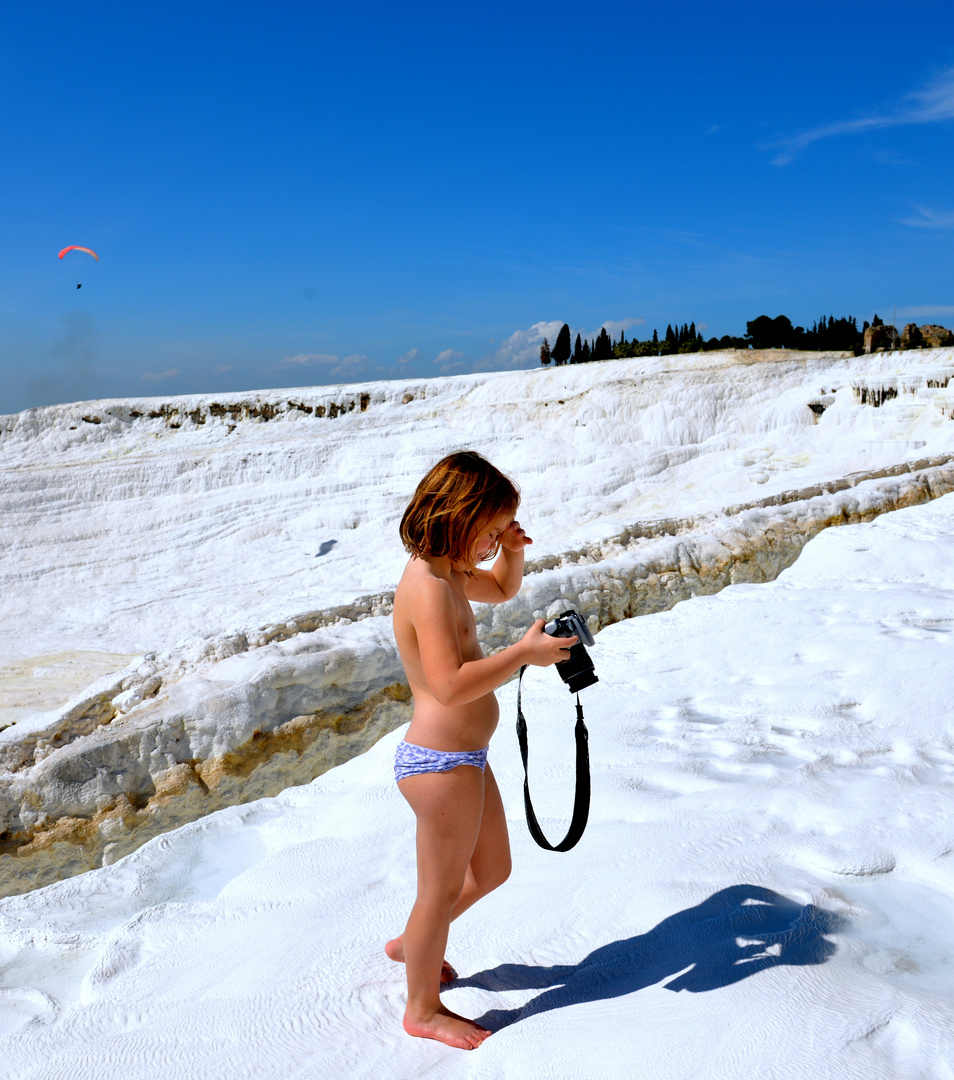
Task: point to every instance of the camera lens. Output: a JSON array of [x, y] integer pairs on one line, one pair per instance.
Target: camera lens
[[577, 670]]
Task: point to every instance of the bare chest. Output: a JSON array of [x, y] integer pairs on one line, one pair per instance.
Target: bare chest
[[467, 629]]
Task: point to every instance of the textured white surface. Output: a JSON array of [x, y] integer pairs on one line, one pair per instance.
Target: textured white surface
[[133, 536], [772, 766], [780, 754]]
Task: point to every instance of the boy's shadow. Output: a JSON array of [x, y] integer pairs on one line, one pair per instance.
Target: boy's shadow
[[701, 942]]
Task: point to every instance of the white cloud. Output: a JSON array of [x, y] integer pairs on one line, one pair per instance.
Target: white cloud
[[614, 327], [158, 376], [450, 361], [931, 219], [929, 105], [305, 360], [354, 363], [355, 366], [924, 312], [409, 357], [522, 348]]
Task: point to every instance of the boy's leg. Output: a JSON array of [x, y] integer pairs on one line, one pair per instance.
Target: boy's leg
[[449, 808], [490, 863]]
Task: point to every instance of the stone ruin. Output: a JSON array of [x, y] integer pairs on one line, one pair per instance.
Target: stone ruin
[[934, 337], [883, 338]]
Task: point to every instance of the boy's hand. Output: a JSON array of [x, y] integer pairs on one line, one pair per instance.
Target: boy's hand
[[543, 649], [514, 538]]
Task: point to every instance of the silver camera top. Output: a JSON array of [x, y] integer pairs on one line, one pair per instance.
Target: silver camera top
[[569, 624]]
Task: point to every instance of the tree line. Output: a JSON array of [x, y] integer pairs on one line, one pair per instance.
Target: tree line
[[828, 333]]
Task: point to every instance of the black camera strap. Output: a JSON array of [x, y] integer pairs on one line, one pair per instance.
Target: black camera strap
[[581, 804]]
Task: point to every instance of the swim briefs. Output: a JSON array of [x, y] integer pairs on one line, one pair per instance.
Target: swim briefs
[[412, 760]]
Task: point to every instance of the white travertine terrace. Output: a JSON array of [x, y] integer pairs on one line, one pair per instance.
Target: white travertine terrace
[[245, 550]]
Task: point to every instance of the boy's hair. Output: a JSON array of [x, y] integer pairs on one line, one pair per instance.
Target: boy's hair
[[461, 492]]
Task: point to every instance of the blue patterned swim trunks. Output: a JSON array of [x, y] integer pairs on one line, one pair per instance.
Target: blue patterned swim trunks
[[412, 760]]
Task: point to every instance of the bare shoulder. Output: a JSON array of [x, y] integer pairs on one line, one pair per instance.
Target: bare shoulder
[[421, 588]]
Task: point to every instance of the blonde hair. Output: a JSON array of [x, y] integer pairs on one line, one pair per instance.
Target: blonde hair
[[462, 492]]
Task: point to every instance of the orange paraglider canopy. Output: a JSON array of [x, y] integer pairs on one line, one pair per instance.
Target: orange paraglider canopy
[[75, 247]]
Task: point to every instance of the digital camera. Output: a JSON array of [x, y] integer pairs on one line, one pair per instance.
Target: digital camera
[[577, 670]]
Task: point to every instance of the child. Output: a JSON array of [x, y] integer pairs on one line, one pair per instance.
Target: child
[[462, 513]]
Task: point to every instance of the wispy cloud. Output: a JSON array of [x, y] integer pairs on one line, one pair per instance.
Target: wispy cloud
[[925, 312], [305, 360], [408, 358], [930, 219], [450, 361], [614, 327], [355, 366], [159, 376], [932, 103]]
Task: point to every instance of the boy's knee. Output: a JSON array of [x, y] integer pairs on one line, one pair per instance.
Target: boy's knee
[[443, 898], [496, 876]]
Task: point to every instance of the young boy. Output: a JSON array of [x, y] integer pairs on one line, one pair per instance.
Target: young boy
[[462, 513]]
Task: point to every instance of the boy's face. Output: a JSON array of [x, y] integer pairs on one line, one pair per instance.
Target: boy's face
[[484, 543]]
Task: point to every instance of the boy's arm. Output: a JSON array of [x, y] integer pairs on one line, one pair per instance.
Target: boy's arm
[[502, 581]]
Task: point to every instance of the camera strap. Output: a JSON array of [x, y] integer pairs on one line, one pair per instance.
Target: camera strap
[[581, 804]]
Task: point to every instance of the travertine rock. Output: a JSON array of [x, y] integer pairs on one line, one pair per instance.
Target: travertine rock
[[80, 791]]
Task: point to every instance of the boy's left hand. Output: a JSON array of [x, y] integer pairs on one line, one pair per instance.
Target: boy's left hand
[[514, 538]]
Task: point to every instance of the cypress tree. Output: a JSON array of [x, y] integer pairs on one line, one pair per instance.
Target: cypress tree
[[561, 350], [545, 354], [604, 347], [577, 351]]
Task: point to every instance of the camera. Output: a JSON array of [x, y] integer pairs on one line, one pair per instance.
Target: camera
[[577, 670]]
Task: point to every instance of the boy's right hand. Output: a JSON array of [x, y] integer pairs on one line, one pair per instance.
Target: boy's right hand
[[542, 649]]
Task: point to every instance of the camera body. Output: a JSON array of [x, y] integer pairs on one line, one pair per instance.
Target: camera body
[[577, 670]]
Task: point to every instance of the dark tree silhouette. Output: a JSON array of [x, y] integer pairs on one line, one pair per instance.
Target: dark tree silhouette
[[561, 350]]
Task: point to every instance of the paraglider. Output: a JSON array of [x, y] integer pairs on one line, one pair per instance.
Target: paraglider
[[75, 247]]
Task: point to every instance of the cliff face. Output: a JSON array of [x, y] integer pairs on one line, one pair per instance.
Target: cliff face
[[624, 478]]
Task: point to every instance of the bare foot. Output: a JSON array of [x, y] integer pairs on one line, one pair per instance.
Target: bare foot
[[447, 1027], [395, 950]]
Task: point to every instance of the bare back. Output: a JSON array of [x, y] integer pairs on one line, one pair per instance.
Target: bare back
[[430, 607]]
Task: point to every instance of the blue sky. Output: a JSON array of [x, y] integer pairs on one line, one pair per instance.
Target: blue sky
[[296, 194]]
